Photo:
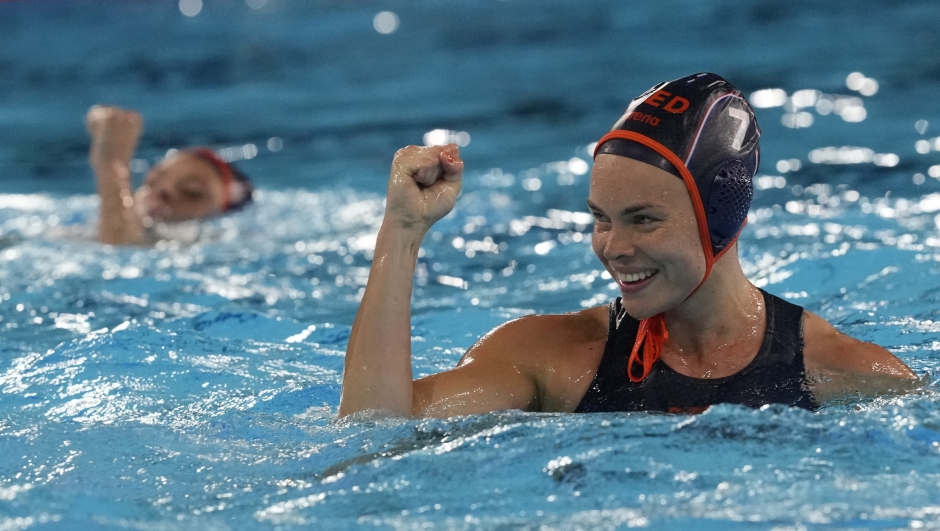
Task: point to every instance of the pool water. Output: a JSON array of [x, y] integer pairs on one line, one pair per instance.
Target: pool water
[[195, 385]]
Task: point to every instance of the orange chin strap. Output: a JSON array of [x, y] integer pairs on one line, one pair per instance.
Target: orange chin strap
[[224, 170], [652, 334]]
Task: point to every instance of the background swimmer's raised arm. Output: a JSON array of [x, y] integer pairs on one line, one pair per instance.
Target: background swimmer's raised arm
[[422, 188], [114, 136]]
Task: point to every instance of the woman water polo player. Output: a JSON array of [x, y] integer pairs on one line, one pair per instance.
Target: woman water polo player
[[190, 184], [670, 191]]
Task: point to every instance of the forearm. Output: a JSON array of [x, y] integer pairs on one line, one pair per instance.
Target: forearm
[[118, 223], [377, 371]]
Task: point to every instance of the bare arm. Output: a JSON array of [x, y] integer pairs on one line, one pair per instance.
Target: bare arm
[[423, 188], [493, 375], [536, 363], [839, 366], [114, 136]]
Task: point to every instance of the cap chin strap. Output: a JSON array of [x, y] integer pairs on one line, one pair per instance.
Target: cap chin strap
[[223, 169], [652, 334]]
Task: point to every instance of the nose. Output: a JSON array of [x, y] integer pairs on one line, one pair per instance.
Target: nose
[[620, 244], [161, 193], [161, 200], [165, 196]]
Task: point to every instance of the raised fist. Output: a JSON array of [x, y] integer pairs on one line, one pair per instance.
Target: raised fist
[[423, 186], [114, 133]]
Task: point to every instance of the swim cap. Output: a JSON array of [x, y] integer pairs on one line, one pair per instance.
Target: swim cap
[[702, 130], [236, 188], [702, 126]]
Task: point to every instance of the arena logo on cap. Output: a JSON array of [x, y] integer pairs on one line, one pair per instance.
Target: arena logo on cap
[[645, 118], [676, 105]]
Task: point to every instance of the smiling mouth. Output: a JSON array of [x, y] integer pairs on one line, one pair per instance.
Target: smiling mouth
[[635, 278]]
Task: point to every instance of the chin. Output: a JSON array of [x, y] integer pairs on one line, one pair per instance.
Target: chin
[[180, 219], [156, 217], [638, 311], [154, 212], [161, 214], [643, 307]]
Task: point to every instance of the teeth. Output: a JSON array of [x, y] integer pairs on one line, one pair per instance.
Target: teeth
[[635, 277]]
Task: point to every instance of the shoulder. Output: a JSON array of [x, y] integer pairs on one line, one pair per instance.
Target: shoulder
[[827, 348], [558, 354], [575, 326], [536, 363], [534, 334]]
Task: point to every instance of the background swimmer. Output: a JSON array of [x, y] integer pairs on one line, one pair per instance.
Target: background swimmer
[[187, 185], [669, 197]]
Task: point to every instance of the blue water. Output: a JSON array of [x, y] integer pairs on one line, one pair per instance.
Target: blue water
[[194, 385]]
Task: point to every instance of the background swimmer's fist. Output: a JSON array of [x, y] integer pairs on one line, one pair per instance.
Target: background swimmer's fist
[[423, 186], [114, 132]]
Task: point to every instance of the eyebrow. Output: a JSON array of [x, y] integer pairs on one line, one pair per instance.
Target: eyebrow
[[627, 211]]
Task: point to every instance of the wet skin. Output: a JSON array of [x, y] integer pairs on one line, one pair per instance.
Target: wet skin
[[646, 236], [644, 226], [179, 188]]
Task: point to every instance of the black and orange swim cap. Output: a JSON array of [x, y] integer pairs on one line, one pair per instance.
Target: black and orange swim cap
[[701, 126]]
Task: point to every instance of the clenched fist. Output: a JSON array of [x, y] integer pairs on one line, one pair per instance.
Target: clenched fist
[[423, 186], [114, 134]]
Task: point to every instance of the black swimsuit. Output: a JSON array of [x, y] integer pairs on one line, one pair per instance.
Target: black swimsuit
[[775, 376]]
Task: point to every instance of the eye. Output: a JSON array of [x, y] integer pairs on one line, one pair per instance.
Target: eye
[[192, 193], [643, 219], [598, 217]]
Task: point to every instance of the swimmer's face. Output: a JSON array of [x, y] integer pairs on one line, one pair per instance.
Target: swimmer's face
[[181, 187], [645, 234]]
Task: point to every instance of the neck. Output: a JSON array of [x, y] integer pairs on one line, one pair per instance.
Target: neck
[[725, 309]]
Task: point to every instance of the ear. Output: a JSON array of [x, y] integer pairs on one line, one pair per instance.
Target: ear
[[241, 192], [728, 202]]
